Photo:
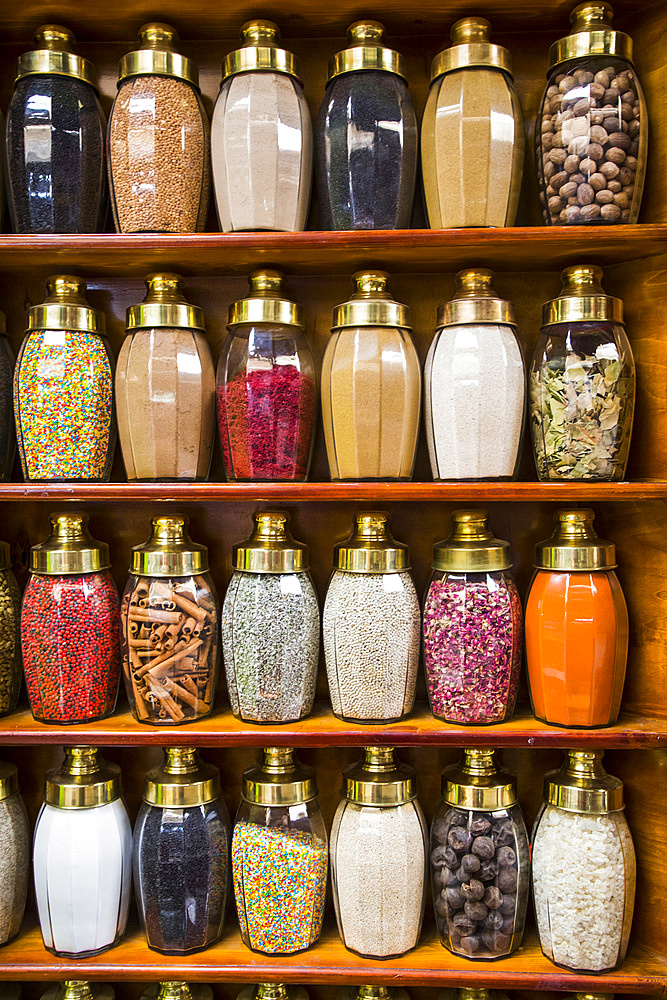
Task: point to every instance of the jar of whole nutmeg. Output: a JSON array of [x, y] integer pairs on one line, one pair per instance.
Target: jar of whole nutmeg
[[591, 145]]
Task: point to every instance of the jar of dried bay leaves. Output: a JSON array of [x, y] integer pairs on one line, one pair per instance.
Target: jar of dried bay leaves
[[582, 383]]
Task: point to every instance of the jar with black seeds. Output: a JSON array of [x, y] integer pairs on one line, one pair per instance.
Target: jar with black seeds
[[14, 853], [10, 634]]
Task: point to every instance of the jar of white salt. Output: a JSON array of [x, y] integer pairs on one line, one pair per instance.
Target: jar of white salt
[[14, 853], [378, 857], [584, 869]]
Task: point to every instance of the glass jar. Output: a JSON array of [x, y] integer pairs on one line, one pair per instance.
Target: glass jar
[[474, 385], [279, 856], [576, 626], [169, 627], [480, 863], [472, 166], [265, 386], [7, 426], [273, 991], [165, 387], [582, 383], [180, 855], [583, 866], [63, 389], [70, 626], [592, 145], [472, 625], [366, 137], [14, 853], [271, 625], [370, 626], [371, 385], [177, 991], [77, 989], [158, 132], [379, 857], [11, 672], [261, 137], [55, 135], [82, 856]]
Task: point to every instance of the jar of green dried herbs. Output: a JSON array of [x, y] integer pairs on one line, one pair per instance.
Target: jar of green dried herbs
[[10, 638], [582, 383]]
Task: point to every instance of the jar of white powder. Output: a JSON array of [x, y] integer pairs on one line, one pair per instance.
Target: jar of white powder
[[14, 853], [378, 857], [584, 869], [370, 626], [474, 385]]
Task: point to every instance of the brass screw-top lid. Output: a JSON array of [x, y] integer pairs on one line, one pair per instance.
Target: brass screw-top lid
[[70, 549], [471, 47], [5, 556], [379, 779], [260, 52], [475, 301], [77, 989], [594, 996], [157, 56], [165, 305], [169, 551], [574, 545], [478, 782], [371, 304], [468, 993], [65, 307], [265, 303], [54, 55], [366, 51], [270, 548], [9, 780], [471, 547], [82, 781], [271, 991], [582, 785], [174, 991], [582, 298], [591, 34], [182, 780], [372, 992], [280, 780], [371, 548]]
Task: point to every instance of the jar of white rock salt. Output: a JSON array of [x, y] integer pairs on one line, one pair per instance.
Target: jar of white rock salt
[[378, 857], [584, 868]]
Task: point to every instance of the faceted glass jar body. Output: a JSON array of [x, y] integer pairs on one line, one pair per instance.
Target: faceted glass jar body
[[584, 876], [266, 400], [14, 865], [582, 401], [473, 634], [7, 426], [165, 403], [170, 647], [11, 673], [591, 147], [370, 631], [378, 876], [159, 156], [63, 406], [271, 645], [480, 875], [366, 152], [279, 865], [70, 633], [56, 175]]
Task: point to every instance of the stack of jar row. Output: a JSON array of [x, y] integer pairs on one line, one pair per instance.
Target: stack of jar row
[[478, 861], [591, 135]]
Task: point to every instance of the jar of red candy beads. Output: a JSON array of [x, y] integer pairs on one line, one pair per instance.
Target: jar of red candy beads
[[70, 626]]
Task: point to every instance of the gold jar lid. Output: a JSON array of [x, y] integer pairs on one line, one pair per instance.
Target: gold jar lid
[[182, 780], [471, 47], [468, 993], [594, 996], [366, 51], [373, 992], [77, 989], [82, 781], [471, 547], [371, 548], [582, 298], [574, 545], [70, 549], [9, 780], [260, 52], [169, 551], [371, 304], [271, 991], [280, 780], [478, 782], [270, 548], [591, 34], [165, 305], [5, 556], [475, 301], [379, 779], [265, 303], [582, 785], [54, 55], [157, 56], [174, 991], [65, 308]]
